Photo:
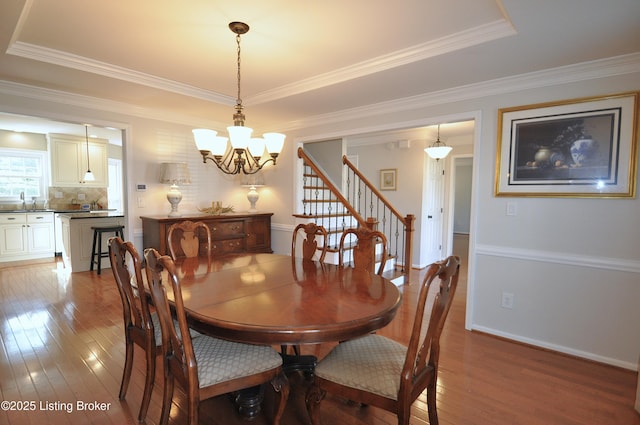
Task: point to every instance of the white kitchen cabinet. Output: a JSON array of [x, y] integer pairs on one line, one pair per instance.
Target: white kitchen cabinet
[[69, 161], [26, 236]]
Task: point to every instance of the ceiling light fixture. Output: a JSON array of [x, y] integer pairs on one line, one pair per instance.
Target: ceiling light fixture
[[245, 152], [438, 150], [88, 176]]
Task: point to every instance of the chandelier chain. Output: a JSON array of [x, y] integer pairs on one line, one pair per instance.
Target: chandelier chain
[[239, 99]]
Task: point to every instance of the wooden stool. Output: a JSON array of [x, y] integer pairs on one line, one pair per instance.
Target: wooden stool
[[97, 256]]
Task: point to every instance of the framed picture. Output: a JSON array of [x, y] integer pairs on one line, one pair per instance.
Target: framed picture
[[575, 148], [388, 178]]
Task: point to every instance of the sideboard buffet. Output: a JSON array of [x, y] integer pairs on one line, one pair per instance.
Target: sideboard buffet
[[230, 233]]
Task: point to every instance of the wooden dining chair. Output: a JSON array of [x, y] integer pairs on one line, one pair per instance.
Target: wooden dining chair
[[309, 248], [189, 239], [363, 252], [141, 326], [309, 245], [205, 366], [375, 370]]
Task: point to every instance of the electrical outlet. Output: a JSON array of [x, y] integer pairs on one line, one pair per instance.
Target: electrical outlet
[[507, 300], [81, 197]]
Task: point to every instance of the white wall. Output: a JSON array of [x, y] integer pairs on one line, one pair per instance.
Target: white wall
[[572, 264]]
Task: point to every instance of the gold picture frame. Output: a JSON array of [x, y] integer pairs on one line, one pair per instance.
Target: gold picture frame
[[582, 148], [388, 179]]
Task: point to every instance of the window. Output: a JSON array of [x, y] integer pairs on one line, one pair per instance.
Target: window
[[23, 171]]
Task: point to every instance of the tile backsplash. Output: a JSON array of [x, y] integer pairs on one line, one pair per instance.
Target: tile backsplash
[[70, 197]]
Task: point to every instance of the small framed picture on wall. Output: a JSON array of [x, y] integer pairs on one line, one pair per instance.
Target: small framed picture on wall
[[388, 179]]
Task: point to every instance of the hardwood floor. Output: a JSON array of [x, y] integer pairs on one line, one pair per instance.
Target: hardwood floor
[[62, 343]]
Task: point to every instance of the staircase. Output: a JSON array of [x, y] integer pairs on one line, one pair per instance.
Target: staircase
[[358, 203]]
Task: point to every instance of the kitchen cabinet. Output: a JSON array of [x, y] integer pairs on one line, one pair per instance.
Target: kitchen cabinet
[[26, 236], [69, 161], [230, 233]]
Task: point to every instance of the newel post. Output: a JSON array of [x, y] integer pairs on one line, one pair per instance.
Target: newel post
[[408, 244]]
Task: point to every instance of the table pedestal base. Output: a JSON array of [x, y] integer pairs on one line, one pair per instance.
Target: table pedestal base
[[299, 363], [248, 401]]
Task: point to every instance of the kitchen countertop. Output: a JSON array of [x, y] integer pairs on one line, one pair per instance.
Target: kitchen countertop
[[37, 210], [92, 214]]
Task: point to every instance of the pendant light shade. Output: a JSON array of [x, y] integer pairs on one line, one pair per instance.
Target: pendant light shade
[[438, 150]]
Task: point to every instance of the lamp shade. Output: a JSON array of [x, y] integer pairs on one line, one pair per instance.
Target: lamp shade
[[438, 152], [175, 173]]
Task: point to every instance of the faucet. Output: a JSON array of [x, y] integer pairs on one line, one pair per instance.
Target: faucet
[[24, 205]]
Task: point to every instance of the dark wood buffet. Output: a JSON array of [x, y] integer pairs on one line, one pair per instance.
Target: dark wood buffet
[[230, 233]]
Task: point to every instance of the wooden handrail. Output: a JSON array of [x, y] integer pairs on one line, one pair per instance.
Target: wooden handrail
[[337, 193], [373, 189], [407, 220]]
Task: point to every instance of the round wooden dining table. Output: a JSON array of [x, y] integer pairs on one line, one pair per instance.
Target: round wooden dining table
[[281, 300]]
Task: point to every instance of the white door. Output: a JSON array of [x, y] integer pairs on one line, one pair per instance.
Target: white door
[[432, 220]]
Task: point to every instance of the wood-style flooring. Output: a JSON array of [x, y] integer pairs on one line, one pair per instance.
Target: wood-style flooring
[[61, 343]]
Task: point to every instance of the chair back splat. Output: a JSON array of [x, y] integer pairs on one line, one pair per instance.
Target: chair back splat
[[205, 367], [309, 243], [364, 252], [140, 325], [189, 239], [375, 370]]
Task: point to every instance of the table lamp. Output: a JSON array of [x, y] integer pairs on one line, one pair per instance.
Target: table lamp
[[174, 173], [253, 181]]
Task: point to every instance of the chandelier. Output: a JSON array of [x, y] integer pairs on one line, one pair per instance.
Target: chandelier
[[245, 153], [438, 150]]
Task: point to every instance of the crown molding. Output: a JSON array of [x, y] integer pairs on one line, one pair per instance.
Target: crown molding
[[81, 63], [471, 37], [602, 68], [461, 40], [40, 94]]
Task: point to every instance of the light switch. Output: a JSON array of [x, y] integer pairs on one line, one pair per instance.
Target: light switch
[[141, 203], [512, 208]]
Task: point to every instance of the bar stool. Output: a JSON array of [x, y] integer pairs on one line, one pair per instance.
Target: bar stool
[[97, 256]]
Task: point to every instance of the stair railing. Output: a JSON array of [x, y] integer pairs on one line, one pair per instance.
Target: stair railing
[[362, 200], [368, 201]]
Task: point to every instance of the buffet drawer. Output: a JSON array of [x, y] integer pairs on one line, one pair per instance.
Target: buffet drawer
[[228, 246]]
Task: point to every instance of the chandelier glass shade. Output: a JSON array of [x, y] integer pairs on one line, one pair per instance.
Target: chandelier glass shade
[[438, 150], [239, 153]]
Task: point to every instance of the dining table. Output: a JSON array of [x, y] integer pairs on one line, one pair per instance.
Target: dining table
[[276, 299], [273, 299]]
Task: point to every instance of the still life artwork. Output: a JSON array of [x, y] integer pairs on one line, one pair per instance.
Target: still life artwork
[[579, 148]]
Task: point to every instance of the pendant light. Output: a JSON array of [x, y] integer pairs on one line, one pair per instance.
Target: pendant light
[[438, 150], [88, 176]]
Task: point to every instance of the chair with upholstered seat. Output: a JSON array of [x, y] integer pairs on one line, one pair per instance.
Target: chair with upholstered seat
[[205, 366], [140, 325], [377, 371], [309, 247], [189, 239], [363, 253]]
